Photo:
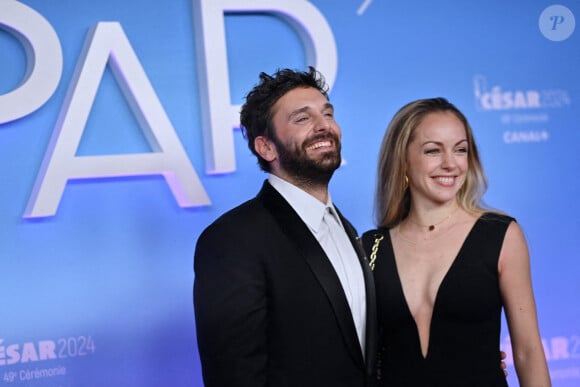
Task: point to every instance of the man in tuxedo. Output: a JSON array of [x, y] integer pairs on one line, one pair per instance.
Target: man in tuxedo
[[283, 294]]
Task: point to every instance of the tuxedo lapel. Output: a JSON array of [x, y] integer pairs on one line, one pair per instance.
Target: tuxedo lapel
[[309, 248]]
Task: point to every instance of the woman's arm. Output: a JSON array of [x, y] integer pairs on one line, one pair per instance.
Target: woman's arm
[[516, 288]]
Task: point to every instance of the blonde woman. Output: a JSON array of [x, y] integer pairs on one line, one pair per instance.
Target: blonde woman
[[444, 266]]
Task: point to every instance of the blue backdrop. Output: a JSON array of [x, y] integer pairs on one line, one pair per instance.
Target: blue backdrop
[[118, 147]]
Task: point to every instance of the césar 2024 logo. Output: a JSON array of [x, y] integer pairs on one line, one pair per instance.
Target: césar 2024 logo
[[42, 350]]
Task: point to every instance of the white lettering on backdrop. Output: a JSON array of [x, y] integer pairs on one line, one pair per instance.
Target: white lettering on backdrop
[[107, 44]]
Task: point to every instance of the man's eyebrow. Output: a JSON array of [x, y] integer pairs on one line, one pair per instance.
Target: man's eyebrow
[[298, 111], [303, 109]]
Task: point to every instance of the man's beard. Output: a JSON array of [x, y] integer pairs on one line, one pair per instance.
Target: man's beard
[[295, 161]]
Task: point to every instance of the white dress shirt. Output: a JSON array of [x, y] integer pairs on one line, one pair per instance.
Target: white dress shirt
[[324, 223]]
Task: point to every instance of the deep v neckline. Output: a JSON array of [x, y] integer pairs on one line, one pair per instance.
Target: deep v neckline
[[454, 263]]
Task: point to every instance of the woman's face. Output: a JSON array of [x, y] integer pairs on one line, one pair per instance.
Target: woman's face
[[437, 158]]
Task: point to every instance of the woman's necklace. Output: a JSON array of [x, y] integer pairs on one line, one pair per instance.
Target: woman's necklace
[[431, 227]]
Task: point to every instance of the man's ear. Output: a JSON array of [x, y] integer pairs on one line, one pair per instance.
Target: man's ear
[[265, 148]]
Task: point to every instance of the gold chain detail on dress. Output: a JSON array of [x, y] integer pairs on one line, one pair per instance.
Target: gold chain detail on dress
[[374, 250]]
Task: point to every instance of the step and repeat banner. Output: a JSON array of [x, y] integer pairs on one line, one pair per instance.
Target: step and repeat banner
[[119, 144]]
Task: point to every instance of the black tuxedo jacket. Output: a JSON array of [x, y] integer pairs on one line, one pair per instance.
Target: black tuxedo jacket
[[269, 307]]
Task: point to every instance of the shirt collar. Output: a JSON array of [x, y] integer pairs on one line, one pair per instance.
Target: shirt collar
[[310, 209]]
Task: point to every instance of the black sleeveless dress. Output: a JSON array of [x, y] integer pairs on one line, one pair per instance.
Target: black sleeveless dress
[[465, 328]]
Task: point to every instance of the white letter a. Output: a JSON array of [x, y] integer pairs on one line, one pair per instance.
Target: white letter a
[[107, 43]]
